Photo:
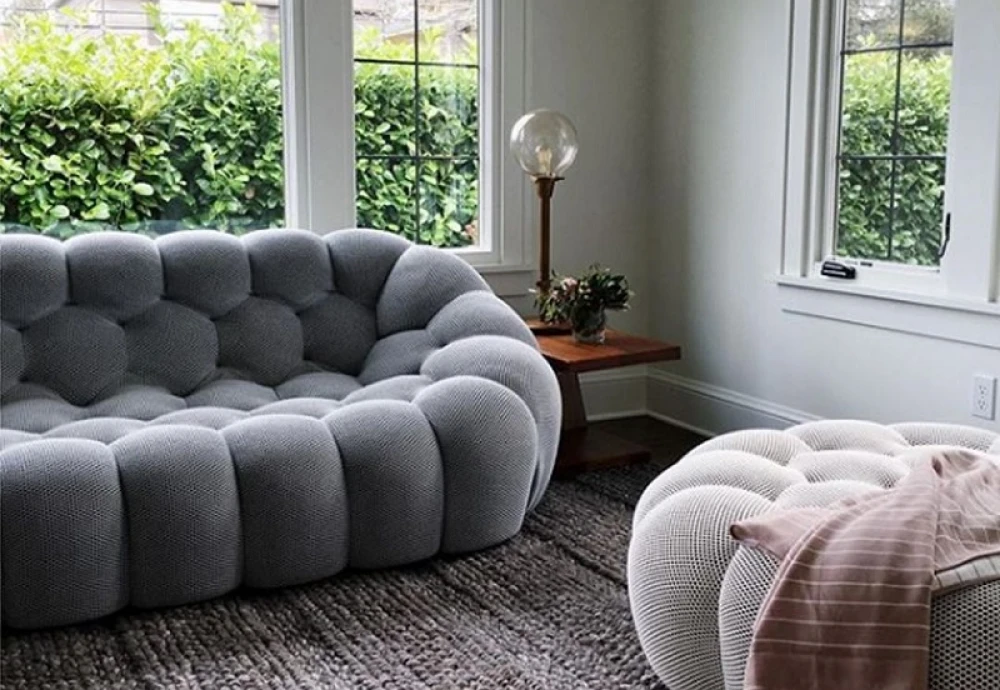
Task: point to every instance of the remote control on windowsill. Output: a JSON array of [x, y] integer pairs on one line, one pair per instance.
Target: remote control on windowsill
[[837, 269]]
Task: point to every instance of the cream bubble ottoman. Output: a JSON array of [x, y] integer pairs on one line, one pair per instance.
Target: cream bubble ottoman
[[695, 594]]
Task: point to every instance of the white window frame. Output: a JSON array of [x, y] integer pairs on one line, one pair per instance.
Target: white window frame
[[913, 297], [318, 65]]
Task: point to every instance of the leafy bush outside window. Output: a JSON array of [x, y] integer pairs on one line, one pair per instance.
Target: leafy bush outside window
[[896, 92], [102, 132], [405, 166], [864, 228]]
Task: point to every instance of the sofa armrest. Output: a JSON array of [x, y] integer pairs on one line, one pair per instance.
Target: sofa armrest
[[519, 367]]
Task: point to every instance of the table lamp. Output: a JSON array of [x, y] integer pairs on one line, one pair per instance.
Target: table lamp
[[545, 145]]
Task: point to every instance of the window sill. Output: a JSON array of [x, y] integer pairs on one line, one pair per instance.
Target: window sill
[[508, 281], [930, 316]]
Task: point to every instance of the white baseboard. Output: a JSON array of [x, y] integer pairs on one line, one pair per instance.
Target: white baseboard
[[619, 414], [615, 394], [699, 407], [681, 423]]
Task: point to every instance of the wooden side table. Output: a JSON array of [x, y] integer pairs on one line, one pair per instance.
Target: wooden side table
[[581, 446]]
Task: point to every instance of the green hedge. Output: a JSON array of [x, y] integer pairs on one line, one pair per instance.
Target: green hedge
[[99, 132], [102, 131], [386, 125], [865, 185]]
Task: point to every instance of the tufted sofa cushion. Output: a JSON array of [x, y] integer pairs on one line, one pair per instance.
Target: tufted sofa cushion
[[186, 415], [695, 594]]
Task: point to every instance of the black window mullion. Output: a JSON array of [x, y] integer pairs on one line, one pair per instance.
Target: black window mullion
[[426, 63], [403, 157], [418, 160], [895, 156], [899, 46], [894, 142], [840, 128], [889, 157]]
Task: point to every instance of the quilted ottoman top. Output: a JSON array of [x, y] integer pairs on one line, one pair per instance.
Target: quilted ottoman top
[[815, 463]]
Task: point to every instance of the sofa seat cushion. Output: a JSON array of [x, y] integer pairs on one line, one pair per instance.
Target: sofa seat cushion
[[31, 411]]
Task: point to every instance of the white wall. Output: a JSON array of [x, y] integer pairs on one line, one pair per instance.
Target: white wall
[[592, 59], [719, 124]]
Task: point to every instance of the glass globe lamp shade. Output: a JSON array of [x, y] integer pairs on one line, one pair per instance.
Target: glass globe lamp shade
[[544, 143]]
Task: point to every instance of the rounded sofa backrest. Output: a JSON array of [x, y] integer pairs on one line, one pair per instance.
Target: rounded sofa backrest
[[86, 316]]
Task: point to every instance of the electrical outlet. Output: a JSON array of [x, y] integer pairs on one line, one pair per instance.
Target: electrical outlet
[[984, 396]]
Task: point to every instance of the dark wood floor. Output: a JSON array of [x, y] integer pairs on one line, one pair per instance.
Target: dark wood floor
[[668, 443]]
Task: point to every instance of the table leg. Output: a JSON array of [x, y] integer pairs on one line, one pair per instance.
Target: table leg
[[574, 413], [583, 447]]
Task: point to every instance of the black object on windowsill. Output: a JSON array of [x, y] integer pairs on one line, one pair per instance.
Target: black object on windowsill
[[836, 269]]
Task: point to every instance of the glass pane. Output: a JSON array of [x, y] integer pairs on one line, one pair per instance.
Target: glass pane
[[383, 109], [863, 208], [387, 196], [449, 203], [928, 21], [924, 101], [867, 107], [145, 120], [916, 233], [872, 23], [384, 29], [449, 111], [449, 31]]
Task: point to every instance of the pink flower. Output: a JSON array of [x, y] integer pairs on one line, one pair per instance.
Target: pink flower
[[569, 284]]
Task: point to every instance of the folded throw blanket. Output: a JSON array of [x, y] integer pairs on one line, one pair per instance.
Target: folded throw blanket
[[850, 605]]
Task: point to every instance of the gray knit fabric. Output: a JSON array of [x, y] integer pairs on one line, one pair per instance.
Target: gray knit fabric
[[546, 610], [263, 410], [695, 595]]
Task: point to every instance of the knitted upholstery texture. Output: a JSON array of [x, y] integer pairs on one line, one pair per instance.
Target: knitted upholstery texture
[[695, 594], [184, 416]]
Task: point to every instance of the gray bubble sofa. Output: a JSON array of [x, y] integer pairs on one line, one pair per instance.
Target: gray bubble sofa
[[185, 416], [695, 593]]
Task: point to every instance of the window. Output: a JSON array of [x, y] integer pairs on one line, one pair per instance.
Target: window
[[893, 157], [416, 109], [387, 88], [140, 117], [894, 79], [325, 114]]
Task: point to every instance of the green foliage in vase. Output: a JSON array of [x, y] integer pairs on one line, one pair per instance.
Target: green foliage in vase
[[576, 299]]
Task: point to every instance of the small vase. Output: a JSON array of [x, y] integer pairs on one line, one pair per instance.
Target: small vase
[[590, 327]]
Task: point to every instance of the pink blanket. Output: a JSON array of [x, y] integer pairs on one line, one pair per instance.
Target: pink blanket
[[850, 604]]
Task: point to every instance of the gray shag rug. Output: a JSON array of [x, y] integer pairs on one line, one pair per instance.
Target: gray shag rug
[[548, 609]]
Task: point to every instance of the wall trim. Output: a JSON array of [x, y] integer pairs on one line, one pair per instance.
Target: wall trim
[[711, 409], [615, 393], [971, 323], [622, 414], [621, 374], [681, 424], [697, 406]]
